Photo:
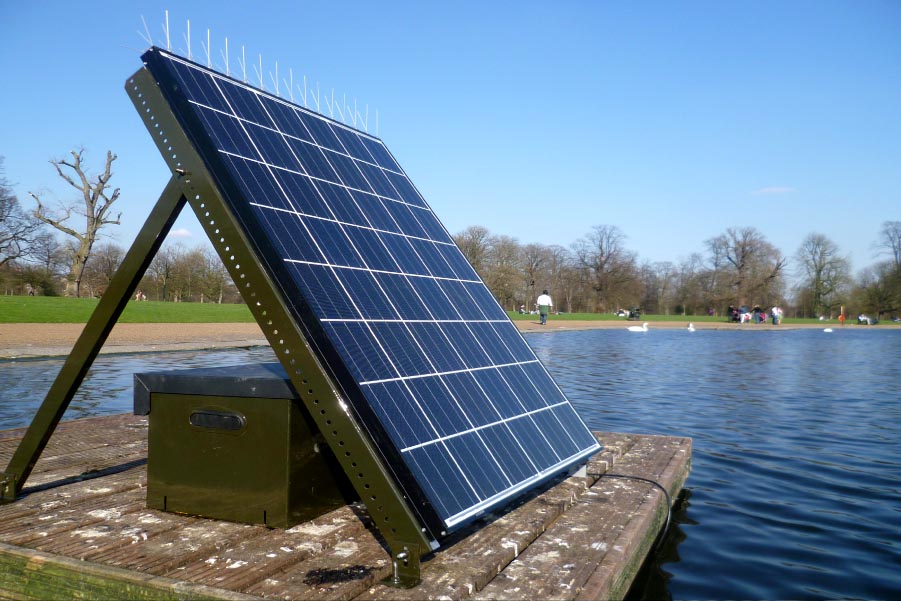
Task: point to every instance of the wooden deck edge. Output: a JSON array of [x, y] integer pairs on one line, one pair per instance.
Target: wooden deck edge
[[636, 548], [633, 462], [595, 549], [30, 574]]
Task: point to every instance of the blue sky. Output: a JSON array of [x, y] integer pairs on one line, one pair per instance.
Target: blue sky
[[538, 120]]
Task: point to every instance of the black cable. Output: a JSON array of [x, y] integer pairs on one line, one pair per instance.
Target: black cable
[[669, 504]]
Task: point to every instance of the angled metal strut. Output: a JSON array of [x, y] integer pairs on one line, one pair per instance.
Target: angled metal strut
[[95, 333]]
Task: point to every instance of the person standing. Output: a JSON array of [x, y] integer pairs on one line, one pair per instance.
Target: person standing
[[544, 303]]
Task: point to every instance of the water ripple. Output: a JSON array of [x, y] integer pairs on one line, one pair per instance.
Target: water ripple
[[794, 491]]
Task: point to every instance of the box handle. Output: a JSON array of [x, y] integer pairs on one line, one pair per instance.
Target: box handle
[[215, 419]]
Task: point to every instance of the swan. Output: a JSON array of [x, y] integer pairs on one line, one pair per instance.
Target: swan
[[828, 330], [642, 328], [691, 327]]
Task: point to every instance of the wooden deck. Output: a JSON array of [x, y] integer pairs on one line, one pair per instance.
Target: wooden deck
[[81, 529]]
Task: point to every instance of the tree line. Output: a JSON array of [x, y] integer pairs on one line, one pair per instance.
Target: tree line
[[599, 273], [75, 261], [596, 273], [177, 273]]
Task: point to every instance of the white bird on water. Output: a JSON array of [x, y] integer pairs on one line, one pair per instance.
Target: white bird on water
[[691, 327], [828, 330], [642, 328]]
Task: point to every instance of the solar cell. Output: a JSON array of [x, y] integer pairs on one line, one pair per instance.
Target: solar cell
[[432, 367]]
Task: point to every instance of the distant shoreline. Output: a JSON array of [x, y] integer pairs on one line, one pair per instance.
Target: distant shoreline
[[29, 340]]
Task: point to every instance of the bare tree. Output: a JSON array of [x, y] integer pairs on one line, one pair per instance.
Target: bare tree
[[502, 269], [161, 271], [753, 267], [47, 263], [559, 260], [890, 242], [875, 292], [214, 279], [95, 210], [657, 281], [18, 230], [49, 254], [825, 273], [610, 267], [105, 260], [544, 267], [690, 294], [534, 260], [474, 243], [188, 275]]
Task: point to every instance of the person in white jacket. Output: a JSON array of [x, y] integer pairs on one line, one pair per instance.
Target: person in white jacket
[[545, 304]]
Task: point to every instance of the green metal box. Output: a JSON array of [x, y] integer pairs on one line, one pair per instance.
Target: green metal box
[[235, 443]]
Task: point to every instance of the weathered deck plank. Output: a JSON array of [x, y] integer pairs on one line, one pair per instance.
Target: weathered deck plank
[[99, 443], [251, 561], [83, 520], [194, 539], [560, 563]]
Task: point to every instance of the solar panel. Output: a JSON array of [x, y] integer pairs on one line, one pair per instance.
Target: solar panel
[[432, 369]]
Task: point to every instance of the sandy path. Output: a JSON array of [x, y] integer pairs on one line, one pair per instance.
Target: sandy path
[[46, 339], [49, 339]]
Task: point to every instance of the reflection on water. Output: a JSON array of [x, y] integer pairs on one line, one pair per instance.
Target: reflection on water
[[795, 481]]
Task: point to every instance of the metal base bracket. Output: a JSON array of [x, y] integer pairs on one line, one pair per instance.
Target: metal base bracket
[[8, 488], [405, 565]]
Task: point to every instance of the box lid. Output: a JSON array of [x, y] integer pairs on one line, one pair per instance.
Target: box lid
[[252, 380]]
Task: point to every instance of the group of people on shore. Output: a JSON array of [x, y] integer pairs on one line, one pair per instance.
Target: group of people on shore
[[755, 315]]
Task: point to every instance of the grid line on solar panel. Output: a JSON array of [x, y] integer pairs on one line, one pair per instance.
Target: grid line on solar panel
[[523, 485], [425, 220], [387, 252], [348, 224], [375, 170], [255, 144], [459, 433], [496, 367], [319, 178], [465, 402], [297, 134], [370, 270], [405, 320], [373, 180], [444, 373]]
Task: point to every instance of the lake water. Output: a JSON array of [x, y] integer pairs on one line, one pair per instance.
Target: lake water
[[795, 489]]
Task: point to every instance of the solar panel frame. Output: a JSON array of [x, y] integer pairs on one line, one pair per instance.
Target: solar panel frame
[[225, 156]]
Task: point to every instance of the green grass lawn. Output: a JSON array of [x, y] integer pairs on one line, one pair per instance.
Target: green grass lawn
[[48, 309]]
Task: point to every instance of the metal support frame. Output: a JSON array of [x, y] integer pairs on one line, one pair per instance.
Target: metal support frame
[[319, 392], [192, 183], [364, 466], [94, 334]]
